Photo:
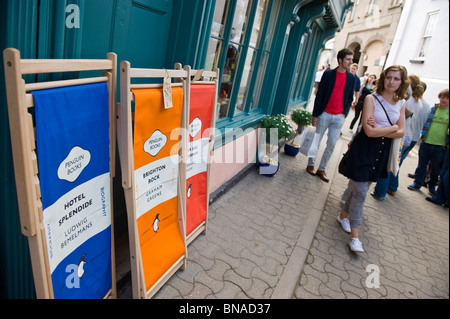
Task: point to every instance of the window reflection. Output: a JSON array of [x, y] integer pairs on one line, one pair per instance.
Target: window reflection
[[240, 20], [219, 18], [229, 72], [236, 50], [237, 37], [213, 54], [259, 80], [246, 78], [251, 57]]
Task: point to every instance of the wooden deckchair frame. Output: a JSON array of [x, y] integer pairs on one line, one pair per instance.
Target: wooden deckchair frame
[[125, 143], [23, 142], [196, 78]]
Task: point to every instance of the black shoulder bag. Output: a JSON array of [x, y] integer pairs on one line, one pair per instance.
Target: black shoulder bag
[[341, 167]]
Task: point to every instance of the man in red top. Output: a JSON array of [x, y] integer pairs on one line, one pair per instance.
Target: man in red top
[[333, 101]]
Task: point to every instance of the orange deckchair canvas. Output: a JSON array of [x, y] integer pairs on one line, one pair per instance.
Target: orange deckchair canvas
[[156, 158], [200, 116]]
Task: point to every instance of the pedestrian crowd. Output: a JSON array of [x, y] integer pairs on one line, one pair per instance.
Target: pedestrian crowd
[[393, 118]]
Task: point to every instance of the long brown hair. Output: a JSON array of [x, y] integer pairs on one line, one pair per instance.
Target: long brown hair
[[416, 86], [401, 91]]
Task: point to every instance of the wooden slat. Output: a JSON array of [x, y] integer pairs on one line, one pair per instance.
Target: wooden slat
[[156, 73], [152, 86], [203, 82], [64, 83], [29, 207], [20, 141], [29, 100], [52, 66], [124, 130]]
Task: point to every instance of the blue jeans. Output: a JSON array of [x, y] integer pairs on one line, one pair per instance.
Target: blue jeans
[[441, 194], [391, 182], [334, 125], [427, 153]]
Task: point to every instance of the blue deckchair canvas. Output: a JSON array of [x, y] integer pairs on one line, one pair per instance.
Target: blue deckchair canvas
[[72, 139]]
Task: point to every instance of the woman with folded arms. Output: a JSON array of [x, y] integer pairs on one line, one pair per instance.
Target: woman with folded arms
[[369, 152]]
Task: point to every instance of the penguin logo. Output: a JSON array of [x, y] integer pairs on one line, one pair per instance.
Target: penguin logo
[[155, 223], [81, 266], [189, 191]]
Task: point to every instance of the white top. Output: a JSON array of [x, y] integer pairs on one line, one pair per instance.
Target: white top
[[393, 110], [319, 75], [415, 107]]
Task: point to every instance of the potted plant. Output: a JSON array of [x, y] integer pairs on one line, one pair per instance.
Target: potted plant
[[285, 130], [281, 123], [302, 118]]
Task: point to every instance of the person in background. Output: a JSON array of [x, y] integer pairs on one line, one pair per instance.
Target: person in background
[[331, 106], [418, 125], [319, 74], [414, 106], [440, 197], [435, 141], [353, 70], [364, 78], [367, 157], [421, 120], [366, 89]]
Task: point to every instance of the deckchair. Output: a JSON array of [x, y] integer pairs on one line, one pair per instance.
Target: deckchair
[[152, 149], [202, 91], [29, 178]]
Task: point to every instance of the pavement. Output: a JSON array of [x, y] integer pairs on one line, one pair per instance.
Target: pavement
[[277, 238]]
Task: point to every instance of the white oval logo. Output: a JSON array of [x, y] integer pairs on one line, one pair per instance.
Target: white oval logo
[[195, 127], [155, 143], [72, 166]]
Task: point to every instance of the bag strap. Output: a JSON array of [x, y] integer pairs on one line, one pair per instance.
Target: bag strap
[[383, 109]]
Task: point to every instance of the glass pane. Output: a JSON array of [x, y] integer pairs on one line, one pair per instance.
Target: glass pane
[[432, 19], [243, 8], [272, 25], [258, 24], [213, 54], [219, 18], [260, 80], [229, 73], [246, 78], [424, 47]]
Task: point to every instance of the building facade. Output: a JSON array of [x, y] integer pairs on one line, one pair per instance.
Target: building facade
[[369, 30], [267, 51], [421, 44]]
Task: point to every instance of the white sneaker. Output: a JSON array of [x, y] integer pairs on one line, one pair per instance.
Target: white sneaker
[[356, 245], [345, 223]]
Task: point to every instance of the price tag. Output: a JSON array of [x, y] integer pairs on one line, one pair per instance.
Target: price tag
[[167, 91]]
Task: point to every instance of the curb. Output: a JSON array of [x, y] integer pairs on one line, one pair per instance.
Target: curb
[[291, 274]]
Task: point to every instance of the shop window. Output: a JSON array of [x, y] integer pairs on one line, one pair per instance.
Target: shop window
[[239, 46]]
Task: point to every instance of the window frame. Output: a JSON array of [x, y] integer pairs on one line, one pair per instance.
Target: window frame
[[396, 3], [353, 11], [425, 35], [249, 114], [370, 8]]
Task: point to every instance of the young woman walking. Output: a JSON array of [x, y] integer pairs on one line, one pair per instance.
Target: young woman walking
[[369, 152]]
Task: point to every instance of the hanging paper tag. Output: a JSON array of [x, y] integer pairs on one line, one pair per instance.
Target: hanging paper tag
[[167, 91], [198, 75]]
